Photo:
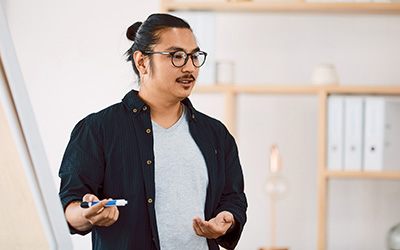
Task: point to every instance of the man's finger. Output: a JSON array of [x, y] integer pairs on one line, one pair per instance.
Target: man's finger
[[228, 218], [96, 209], [196, 228], [206, 229], [106, 218], [113, 211], [116, 214], [105, 202], [90, 198], [86, 197], [203, 231], [102, 220]]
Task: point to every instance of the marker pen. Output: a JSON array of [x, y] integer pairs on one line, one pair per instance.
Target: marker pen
[[118, 203]]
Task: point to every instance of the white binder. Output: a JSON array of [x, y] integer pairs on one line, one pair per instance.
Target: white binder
[[353, 133], [382, 134], [335, 122]]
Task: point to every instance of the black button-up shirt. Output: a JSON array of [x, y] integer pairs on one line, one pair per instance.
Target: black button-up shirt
[[108, 155]]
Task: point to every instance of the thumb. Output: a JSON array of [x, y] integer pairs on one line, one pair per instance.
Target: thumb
[[90, 198], [227, 218]]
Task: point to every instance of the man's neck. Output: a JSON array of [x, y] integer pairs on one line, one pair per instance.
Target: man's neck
[[165, 112]]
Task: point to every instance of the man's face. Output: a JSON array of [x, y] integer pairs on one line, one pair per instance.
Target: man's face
[[165, 77]]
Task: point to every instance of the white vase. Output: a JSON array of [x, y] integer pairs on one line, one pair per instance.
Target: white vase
[[324, 74]]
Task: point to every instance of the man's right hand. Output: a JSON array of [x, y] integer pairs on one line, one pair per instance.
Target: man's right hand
[[98, 214], [82, 219]]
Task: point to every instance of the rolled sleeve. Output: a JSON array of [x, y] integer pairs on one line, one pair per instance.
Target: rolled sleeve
[[82, 167]]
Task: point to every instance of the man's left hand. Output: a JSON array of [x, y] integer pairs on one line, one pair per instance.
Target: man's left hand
[[215, 227]]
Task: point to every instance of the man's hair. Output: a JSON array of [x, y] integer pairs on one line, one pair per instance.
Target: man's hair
[[147, 34]]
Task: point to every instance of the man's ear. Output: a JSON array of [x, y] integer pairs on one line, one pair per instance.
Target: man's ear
[[139, 58]]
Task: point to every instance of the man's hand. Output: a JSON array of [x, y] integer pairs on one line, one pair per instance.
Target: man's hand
[[98, 214], [215, 227], [82, 219]]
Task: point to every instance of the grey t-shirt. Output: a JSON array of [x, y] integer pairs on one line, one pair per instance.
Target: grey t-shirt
[[181, 181]]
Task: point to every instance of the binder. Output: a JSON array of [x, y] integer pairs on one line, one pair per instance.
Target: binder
[[353, 133], [335, 122], [392, 136], [382, 134]]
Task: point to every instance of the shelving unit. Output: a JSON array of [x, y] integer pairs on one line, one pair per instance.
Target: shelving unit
[[231, 91], [276, 6]]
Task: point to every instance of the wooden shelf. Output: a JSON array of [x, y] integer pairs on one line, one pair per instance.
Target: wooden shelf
[[258, 89], [362, 174], [295, 6], [297, 89], [372, 90]]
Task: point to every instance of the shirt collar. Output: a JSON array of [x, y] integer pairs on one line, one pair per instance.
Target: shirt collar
[[192, 112], [133, 102]]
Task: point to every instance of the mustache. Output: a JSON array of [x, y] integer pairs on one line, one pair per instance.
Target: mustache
[[188, 76]]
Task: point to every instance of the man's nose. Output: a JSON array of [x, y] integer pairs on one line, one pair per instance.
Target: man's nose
[[189, 66]]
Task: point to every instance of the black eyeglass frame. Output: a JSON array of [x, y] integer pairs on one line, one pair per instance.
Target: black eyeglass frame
[[186, 59]]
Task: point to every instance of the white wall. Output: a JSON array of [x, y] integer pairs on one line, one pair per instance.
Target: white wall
[[71, 55], [284, 48]]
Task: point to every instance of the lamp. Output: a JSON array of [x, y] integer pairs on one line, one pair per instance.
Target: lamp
[[276, 187]]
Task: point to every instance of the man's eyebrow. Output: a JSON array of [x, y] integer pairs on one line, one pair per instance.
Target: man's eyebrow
[[175, 48]]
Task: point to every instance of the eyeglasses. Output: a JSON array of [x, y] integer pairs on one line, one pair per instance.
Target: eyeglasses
[[179, 58]]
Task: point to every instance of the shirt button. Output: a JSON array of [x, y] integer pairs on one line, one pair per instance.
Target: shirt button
[[193, 116], [148, 162], [148, 131], [144, 108], [134, 110], [150, 200]]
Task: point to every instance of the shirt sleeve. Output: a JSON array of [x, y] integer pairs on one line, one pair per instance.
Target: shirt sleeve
[[233, 198], [82, 167]]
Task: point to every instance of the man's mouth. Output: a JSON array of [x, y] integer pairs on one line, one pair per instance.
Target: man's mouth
[[186, 80]]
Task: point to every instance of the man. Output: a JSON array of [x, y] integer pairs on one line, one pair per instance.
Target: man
[[178, 168]]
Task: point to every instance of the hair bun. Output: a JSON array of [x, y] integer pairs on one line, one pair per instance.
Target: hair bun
[[131, 32]]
